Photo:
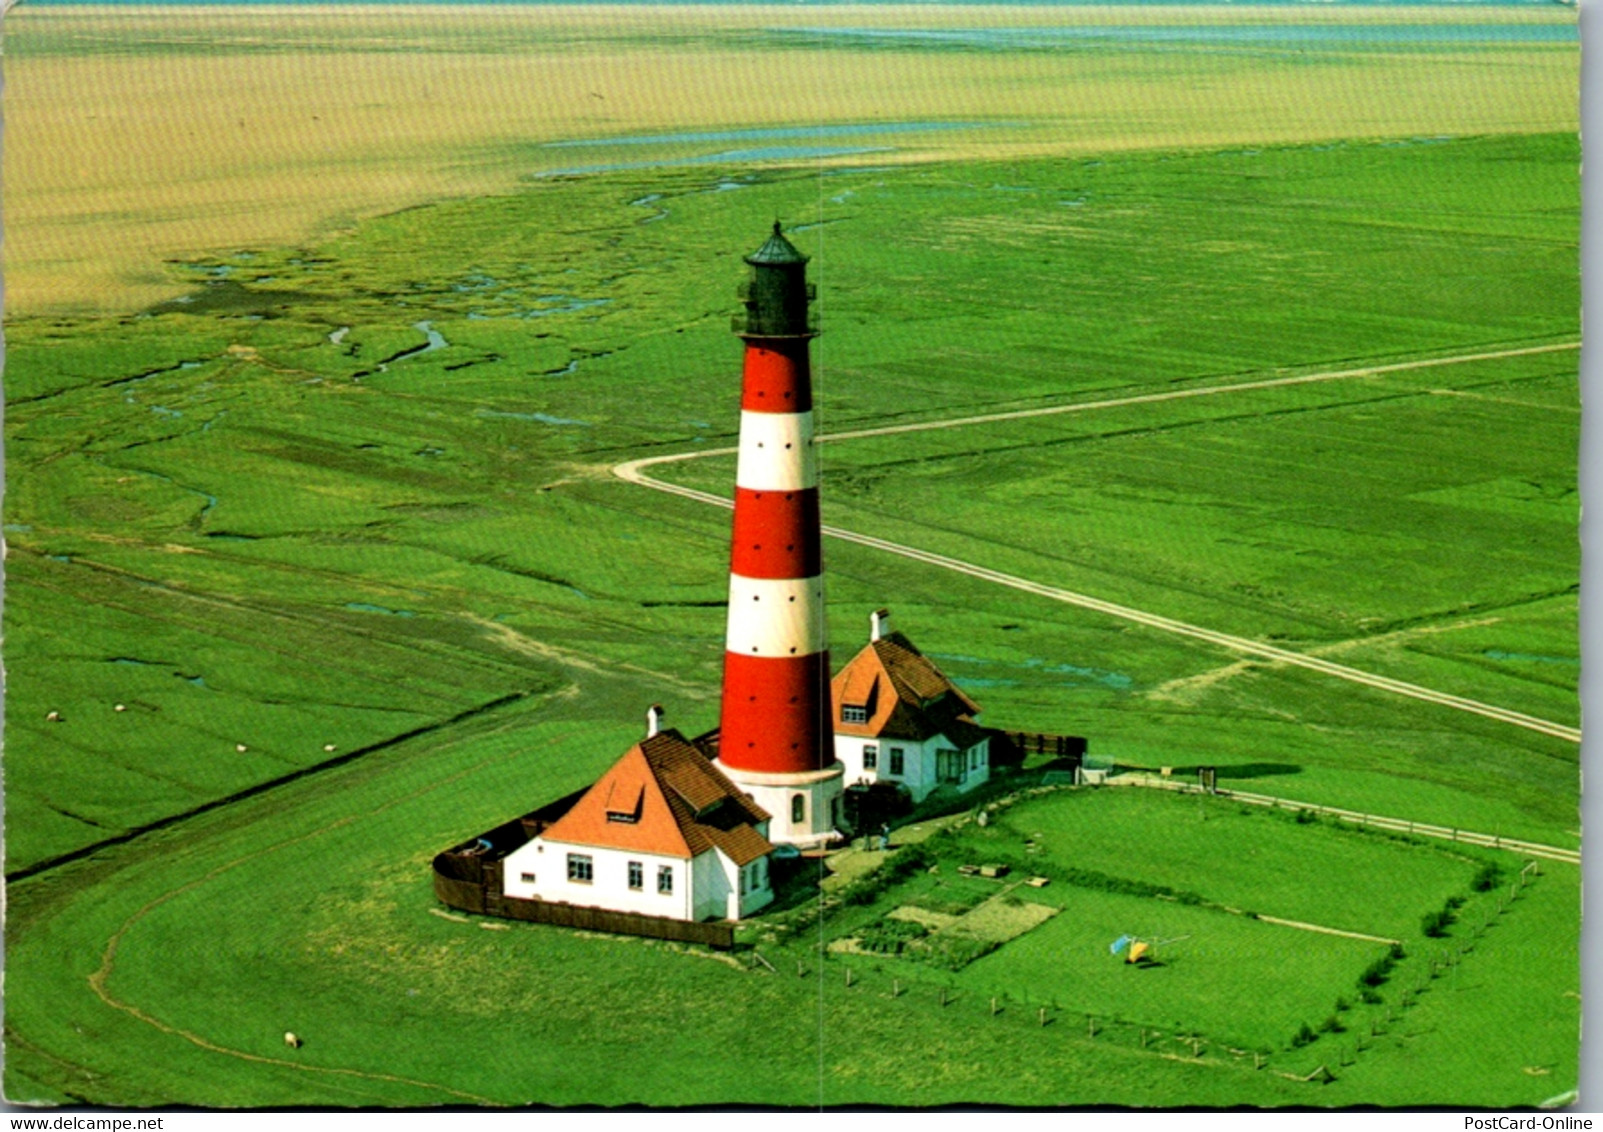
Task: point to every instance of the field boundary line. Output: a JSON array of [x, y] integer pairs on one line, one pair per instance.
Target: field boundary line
[[1205, 391], [1368, 821], [263, 787], [633, 471]]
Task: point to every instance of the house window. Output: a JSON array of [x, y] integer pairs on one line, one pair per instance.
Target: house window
[[637, 875], [798, 809], [870, 756], [849, 714], [528, 878], [665, 880], [743, 885], [581, 868], [898, 763]]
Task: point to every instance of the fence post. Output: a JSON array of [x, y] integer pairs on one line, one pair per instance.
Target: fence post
[[1043, 1016], [848, 976], [993, 1006]]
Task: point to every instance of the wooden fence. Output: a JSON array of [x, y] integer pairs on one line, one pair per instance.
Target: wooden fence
[[1011, 747], [473, 884], [1369, 821]]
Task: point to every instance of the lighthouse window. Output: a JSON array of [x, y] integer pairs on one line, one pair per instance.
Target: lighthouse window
[[897, 761], [849, 714], [637, 875], [665, 880], [870, 755], [581, 868], [798, 809]]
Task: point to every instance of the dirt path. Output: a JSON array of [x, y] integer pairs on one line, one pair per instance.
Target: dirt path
[[634, 471], [1321, 929]]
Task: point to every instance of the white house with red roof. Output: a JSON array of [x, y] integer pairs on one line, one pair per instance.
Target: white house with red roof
[[899, 719], [663, 833]]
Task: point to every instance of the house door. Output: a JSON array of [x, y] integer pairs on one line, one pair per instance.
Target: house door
[[949, 766]]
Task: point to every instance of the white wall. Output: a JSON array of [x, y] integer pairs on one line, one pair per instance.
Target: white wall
[[760, 892], [920, 772], [821, 804], [548, 862], [713, 885], [705, 888]]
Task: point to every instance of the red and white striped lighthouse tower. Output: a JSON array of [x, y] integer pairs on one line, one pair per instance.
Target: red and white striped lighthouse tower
[[775, 738]]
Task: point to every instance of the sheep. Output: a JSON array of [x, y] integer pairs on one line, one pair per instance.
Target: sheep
[[241, 748], [53, 717], [292, 1040]]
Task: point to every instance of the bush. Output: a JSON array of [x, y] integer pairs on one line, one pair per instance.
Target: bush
[[1332, 1025], [956, 952], [1435, 924], [1380, 970], [1306, 817], [1487, 878], [1304, 1036], [1369, 995], [888, 937]]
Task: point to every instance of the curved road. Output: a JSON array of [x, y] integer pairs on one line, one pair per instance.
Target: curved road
[[633, 471]]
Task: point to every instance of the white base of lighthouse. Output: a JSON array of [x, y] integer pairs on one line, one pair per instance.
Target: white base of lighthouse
[[806, 806]]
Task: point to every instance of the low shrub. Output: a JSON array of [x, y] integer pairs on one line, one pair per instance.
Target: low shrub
[[889, 937], [1380, 970], [1435, 924], [1304, 1036], [1488, 877], [954, 952]]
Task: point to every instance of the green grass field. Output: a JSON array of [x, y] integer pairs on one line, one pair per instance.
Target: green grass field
[[347, 502]]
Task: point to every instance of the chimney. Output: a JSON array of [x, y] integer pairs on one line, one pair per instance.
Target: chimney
[[653, 720], [879, 624]]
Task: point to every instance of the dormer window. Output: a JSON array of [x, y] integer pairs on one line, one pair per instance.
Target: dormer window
[[853, 714], [624, 803]]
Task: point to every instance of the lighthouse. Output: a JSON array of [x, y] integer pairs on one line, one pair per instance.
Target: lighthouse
[[775, 736]]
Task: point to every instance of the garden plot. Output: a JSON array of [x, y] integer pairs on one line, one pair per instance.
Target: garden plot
[[945, 940]]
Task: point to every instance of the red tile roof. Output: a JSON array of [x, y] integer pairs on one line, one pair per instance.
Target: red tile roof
[[905, 695], [664, 797]]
